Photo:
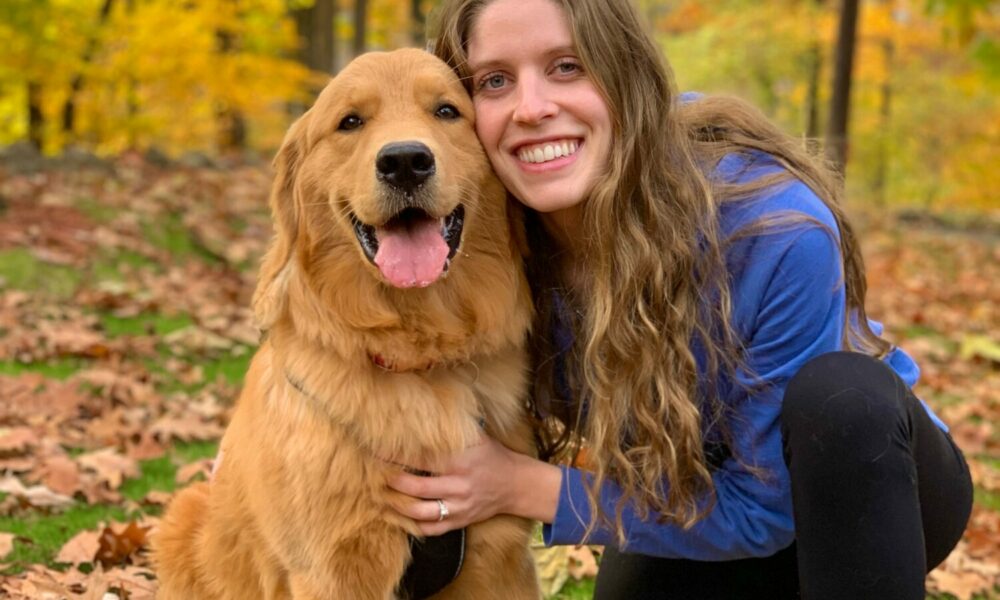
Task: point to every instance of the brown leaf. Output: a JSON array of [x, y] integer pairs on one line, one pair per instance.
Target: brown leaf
[[37, 495], [147, 448], [81, 548], [110, 466], [61, 474], [6, 543], [963, 585], [188, 472], [17, 440], [133, 583], [186, 428], [582, 563], [157, 497], [120, 542], [964, 575]]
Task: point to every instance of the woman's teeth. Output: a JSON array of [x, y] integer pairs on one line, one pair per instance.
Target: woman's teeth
[[546, 152]]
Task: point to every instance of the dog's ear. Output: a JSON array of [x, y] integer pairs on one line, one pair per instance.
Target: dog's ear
[[270, 297]]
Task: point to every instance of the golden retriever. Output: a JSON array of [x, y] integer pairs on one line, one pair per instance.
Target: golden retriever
[[396, 312]]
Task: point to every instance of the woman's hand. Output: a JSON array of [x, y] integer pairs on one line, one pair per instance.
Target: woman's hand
[[480, 482]]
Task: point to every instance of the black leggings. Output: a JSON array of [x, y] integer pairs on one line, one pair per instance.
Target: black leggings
[[880, 497]]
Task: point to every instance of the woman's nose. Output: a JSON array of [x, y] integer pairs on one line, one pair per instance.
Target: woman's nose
[[534, 102]]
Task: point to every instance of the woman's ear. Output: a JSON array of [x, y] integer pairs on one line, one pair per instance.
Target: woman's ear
[[270, 297]]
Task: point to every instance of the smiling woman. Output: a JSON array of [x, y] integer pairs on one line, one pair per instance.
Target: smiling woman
[[700, 328], [541, 119]]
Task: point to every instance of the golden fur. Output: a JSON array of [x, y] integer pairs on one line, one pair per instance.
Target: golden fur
[[298, 508]]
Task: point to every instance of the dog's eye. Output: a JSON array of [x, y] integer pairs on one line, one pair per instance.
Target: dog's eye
[[350, 122], [446, 111]]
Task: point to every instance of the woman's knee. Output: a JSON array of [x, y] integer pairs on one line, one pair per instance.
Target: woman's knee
[[847, 393]]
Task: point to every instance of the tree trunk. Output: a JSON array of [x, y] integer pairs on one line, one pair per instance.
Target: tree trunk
[[317, 42], [419, 22], [322, 49], [360, 26], [232, 124], [885, 123], [837, 141], [36, 121], [812, 94], [69, 108]]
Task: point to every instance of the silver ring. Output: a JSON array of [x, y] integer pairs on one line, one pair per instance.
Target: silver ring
[[442, 510]]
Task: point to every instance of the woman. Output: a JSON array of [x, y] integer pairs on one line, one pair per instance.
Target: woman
[[696, 289]]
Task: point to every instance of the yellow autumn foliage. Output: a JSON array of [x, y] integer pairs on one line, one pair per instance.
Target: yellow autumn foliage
[[175, 74]]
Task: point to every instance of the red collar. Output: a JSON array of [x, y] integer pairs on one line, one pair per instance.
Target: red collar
[[387, 365]]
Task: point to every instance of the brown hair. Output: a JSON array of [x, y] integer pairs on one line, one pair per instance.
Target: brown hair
[[656, 256]]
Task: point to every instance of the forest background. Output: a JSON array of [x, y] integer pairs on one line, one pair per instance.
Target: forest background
[[135, 137]]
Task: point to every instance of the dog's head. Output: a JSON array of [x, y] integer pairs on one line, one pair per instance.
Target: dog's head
[[383, 177]]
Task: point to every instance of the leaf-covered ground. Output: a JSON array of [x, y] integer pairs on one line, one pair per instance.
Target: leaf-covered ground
[[125, 331]]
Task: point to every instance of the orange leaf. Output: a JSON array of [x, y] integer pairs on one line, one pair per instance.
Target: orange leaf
[[117, 544]]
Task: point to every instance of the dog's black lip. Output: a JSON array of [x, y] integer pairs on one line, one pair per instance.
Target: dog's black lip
[[451, 231], [454, 224], [366, 237]]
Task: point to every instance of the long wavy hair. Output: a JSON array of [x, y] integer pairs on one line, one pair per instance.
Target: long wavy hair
[[656, 258]]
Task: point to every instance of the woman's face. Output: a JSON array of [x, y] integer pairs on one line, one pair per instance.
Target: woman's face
[[543, 123]]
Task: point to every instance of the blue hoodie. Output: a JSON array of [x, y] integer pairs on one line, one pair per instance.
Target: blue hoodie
[[788, 306]]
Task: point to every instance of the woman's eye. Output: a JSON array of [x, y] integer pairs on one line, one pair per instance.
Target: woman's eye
[[567, 68], [492, 82], [446, 111], [350, 122]]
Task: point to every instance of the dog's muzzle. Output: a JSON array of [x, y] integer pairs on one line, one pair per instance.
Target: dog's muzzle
[[412, 249]]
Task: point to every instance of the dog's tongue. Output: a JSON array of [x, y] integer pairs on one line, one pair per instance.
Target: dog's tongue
[[412, 254]]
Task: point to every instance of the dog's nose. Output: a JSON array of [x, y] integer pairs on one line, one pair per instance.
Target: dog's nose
[[404, 165]]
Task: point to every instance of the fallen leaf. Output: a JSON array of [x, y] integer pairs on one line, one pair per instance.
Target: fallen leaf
[[61, 474], [186, 428], [188, 472], [6, 543], [120, 542], [81, 548], [110, 466], [17, 440], [37, 495], [979, 346], [553, 571], [582, 563]]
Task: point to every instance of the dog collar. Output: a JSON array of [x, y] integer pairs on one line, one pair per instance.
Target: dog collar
[[386, 364]]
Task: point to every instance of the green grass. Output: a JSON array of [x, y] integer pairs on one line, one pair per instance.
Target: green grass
[[993, 461], [95, 211], [23, 271], [108, 265], [188, 452], [987, 499], [576, 590], [159, 473], [232, 368], [144, 324], [170, 234], [45, 534], [56, 369]]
